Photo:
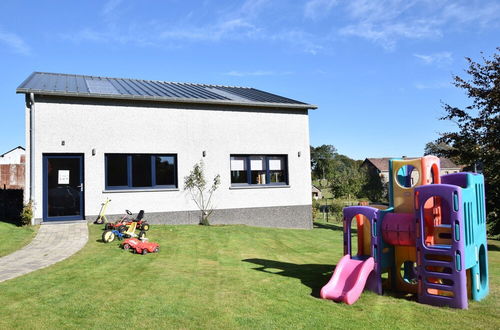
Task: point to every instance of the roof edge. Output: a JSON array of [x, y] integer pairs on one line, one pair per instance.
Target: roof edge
[[304, 106]]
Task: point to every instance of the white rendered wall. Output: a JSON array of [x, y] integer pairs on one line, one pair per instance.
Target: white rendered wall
[[185, 132]]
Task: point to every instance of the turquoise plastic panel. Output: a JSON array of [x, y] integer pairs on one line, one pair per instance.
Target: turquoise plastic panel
[[476, 254]]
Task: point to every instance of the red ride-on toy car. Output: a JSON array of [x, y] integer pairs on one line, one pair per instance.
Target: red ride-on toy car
[[126, 221], [140, 247]]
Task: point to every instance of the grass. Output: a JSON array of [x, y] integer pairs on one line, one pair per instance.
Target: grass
[[219, 277], [14, 238]]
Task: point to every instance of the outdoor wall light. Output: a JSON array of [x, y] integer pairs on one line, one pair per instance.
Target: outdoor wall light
[[204, 153], [298, 154], [63, 142], [93, 152]]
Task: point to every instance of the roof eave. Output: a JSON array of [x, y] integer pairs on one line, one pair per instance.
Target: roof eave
[[170, 100]]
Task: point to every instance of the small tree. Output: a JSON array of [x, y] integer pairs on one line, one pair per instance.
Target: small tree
[[196, 184], [27, 214]]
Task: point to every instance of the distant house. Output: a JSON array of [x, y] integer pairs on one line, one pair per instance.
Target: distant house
[[380, 166], [12, 171], [13, 156], [316, 193]]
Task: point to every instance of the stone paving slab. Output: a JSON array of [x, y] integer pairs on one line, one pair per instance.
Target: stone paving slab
[[54, 242]]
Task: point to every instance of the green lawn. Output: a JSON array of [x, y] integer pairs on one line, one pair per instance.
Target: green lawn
[[14, 238], [219, 277]]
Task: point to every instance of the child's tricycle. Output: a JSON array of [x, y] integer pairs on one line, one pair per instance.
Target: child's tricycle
[[140, 246], [122, 232]]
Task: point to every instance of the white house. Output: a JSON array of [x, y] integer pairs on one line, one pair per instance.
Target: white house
[[133, 141], [13, 156]]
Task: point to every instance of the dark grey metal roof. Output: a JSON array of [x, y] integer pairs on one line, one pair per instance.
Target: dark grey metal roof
[[43, 83]]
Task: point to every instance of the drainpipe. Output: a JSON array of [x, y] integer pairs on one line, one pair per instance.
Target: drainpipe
[[32, 150]]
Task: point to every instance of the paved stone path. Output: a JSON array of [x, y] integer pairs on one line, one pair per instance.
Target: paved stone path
[[54, 242]]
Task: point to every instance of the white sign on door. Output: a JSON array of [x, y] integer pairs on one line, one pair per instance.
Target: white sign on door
[[63, 177]]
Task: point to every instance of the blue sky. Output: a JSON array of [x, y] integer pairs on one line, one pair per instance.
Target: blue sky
[[378, 70]]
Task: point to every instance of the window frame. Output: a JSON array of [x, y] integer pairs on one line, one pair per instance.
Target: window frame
[[268, 171], [129, 171]]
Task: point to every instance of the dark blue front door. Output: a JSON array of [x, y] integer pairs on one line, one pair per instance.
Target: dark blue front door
[[63, 187]]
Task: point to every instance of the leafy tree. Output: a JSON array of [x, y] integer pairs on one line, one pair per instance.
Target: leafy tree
[[196, 184], [321, 160], [477, 139], [439, 149], [346, 178]]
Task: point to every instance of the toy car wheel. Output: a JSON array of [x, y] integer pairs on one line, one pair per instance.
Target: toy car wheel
[[122, 229], [141, 235], [126, 246], [108, 236], [157, 249], [144, 251], [145, 226]]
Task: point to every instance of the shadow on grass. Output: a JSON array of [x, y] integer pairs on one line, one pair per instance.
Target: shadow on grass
[[314, 276], [328, 226], [332, 226], [492, 247]]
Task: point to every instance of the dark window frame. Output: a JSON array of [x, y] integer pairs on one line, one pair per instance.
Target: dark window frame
[[129, 185], [268, 171]]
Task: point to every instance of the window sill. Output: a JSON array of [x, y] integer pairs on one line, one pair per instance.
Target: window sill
[[260, 186], [139, 190]]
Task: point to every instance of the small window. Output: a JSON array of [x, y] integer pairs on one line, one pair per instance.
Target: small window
[[165, 170], [259, 170], [238, 170], [116, 169], [277, 169], [140, 171]]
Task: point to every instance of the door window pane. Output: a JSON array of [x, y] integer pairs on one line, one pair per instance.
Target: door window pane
[[141, 171], [239, 170], [165, 170], [117, 170]]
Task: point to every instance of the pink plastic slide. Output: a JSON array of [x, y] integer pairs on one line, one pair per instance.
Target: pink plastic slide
[[348, 280]]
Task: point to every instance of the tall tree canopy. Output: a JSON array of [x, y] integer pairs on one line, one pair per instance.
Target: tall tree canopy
[[477, 139], [321, 158]]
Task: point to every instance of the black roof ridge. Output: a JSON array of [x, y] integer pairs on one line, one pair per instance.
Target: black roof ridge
[[137, 79], [12, 150]]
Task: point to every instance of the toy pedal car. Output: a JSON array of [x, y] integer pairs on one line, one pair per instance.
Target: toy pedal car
[[140, 246], [126, 221]]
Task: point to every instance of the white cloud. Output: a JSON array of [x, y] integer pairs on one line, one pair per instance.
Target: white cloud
[[432, 85], [388, 34], [240, 24], [386, 22], [236, 73], [14, 42], [441, 58], [315, 9], [110, 6]]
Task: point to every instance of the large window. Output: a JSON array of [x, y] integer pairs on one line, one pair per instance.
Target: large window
[[140, 171], [259, 170]]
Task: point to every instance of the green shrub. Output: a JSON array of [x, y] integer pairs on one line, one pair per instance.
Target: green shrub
[[336, 210], [315, 209], [27, 214]]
